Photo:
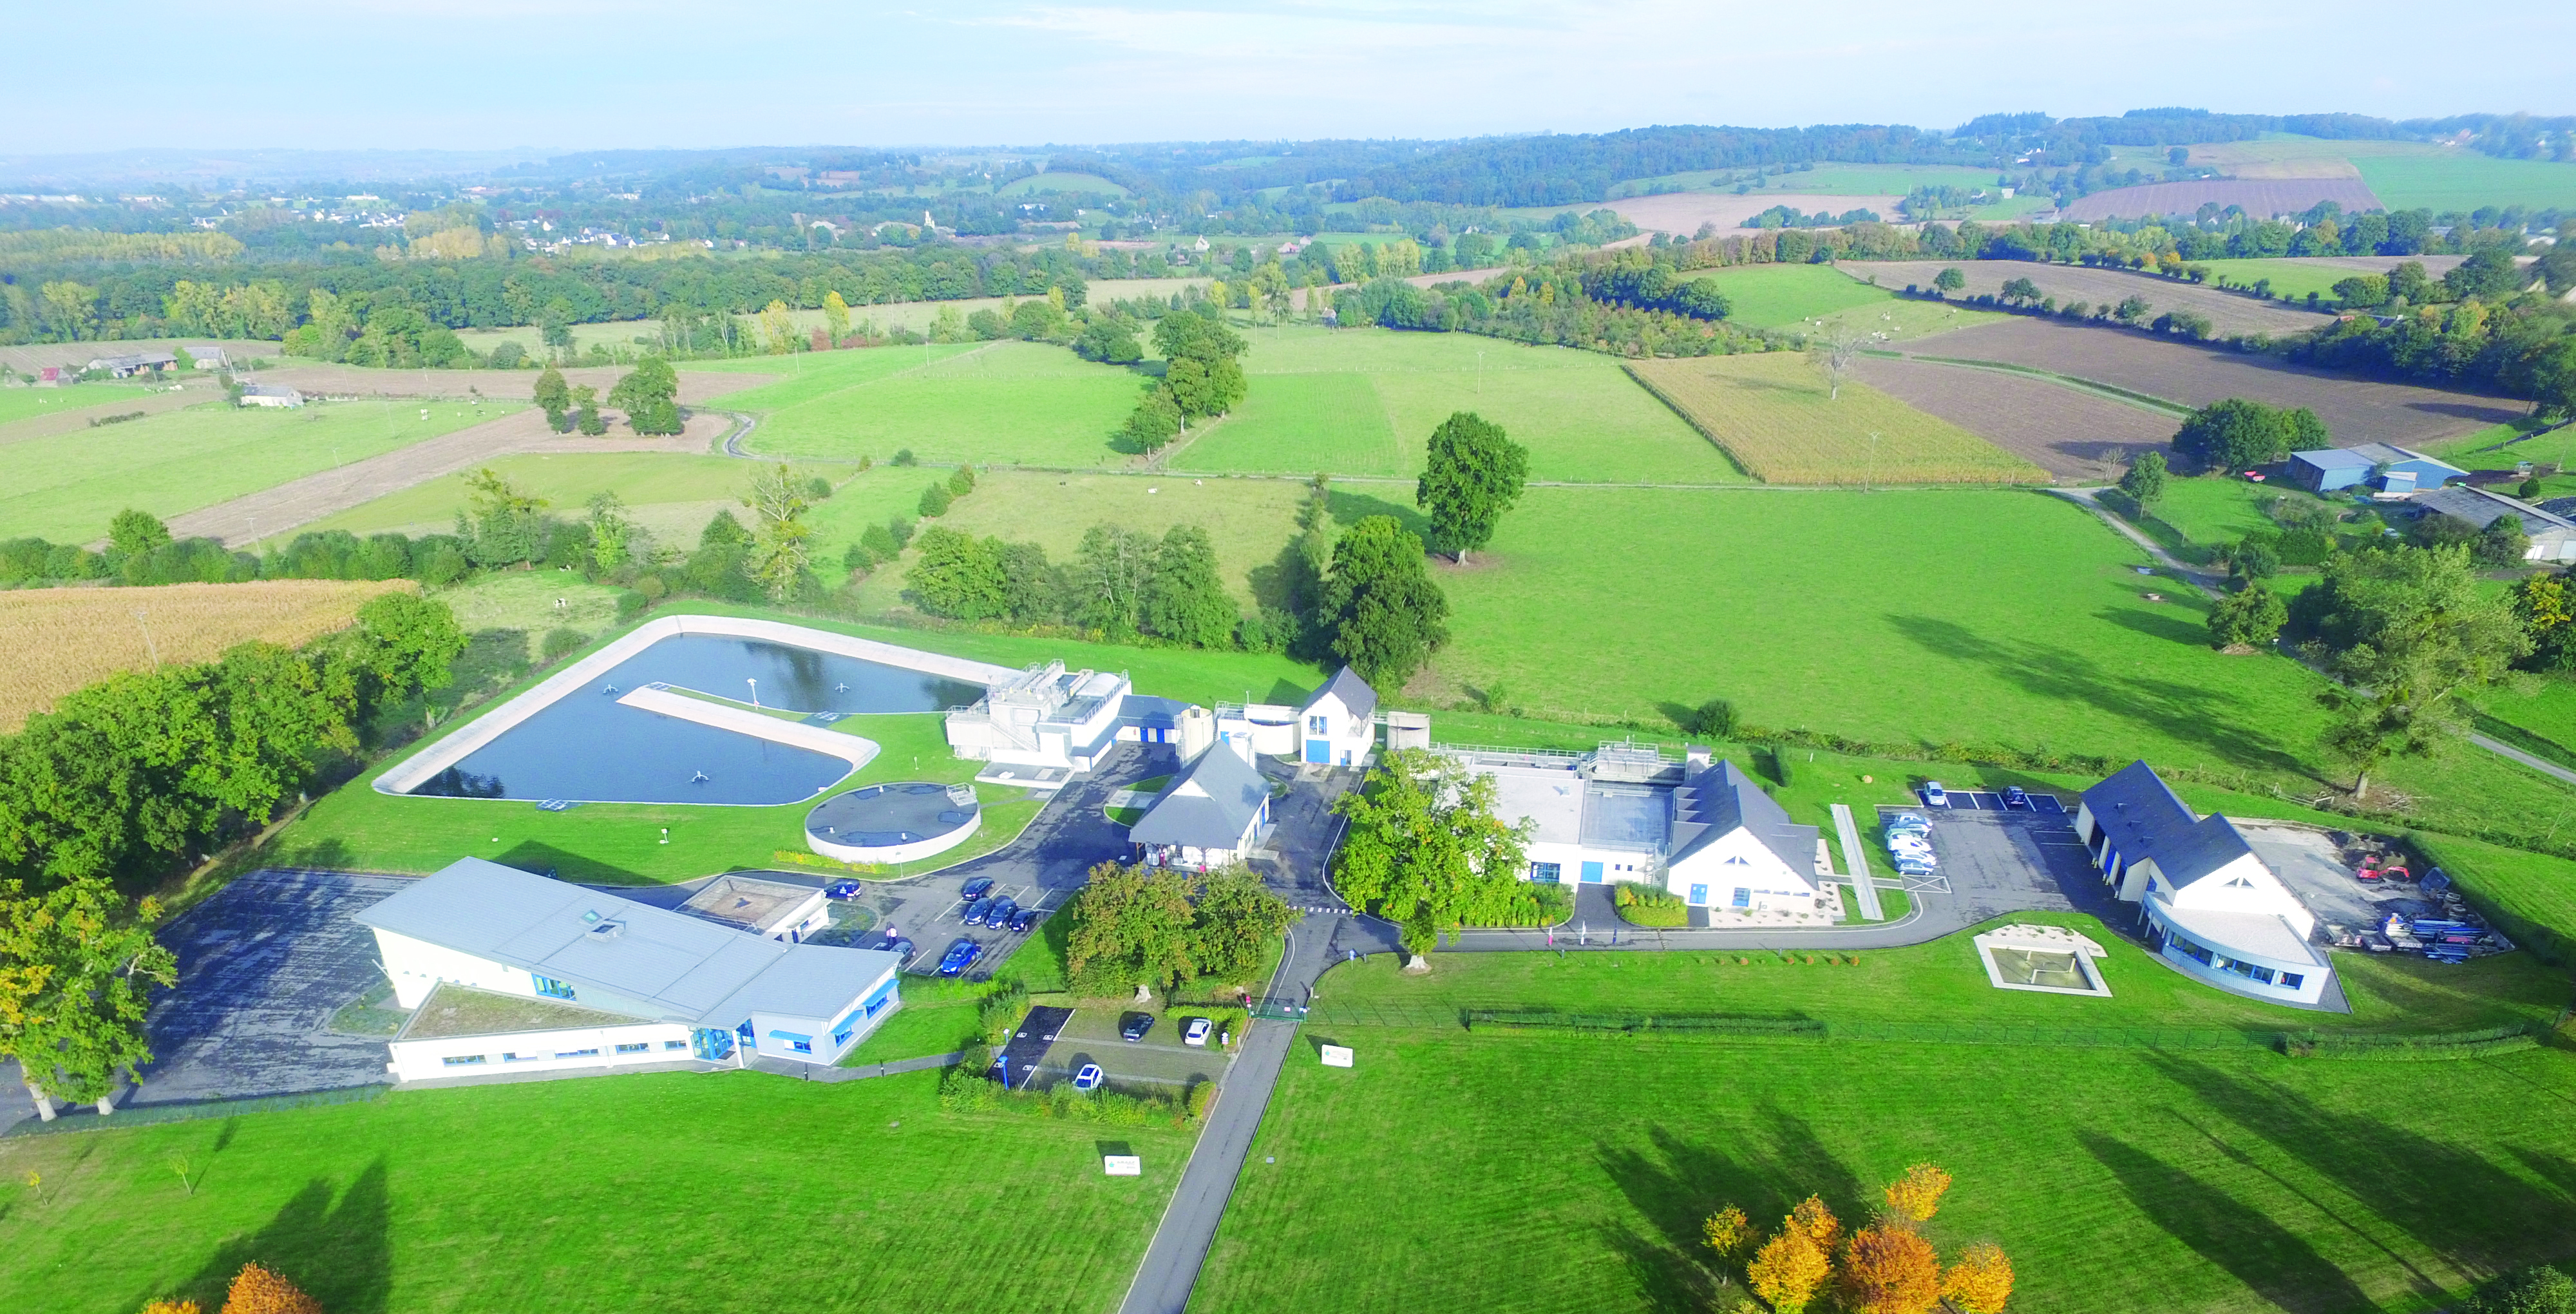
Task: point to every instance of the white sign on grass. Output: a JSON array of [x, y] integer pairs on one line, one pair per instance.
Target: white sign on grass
[[1123, 1165], [1337, 1056]]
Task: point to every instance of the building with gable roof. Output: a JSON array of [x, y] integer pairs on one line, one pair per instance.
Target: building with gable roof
[[1337, 725], [1700, 828], [2207, 900], [2382, 467], [1213, 814], [506, 970]]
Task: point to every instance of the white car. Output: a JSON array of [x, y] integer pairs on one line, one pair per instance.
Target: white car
[[1195, 1031]]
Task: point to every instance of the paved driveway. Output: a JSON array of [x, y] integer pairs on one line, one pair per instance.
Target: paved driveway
[[2006, 862], [263, 965]]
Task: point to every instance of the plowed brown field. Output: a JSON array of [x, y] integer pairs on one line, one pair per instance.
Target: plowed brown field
[[2229, 313], [2078, 437]]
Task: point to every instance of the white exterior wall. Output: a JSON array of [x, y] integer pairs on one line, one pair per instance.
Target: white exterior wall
[[772, 1033], [2262, 894], [2312, 976], [539, 1051], [1739, 861], [1346, 739], [417, 966], [887, 853]]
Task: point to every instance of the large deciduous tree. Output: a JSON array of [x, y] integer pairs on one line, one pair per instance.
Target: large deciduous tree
[[1151, 926], [74, 965], [2237, 434], [779, 549], [1184, 600], [1423, 833], [2409, 630], [1474, 475], [1379, 604], [1890, 1270], [1981, 1282], [650, 396], [958, 576]]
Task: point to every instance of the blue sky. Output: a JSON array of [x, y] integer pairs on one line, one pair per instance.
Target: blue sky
[[638, 73]]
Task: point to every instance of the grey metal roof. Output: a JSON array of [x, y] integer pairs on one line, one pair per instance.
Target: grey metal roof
[[1209, 807], [616, 953], [1719, 801], [2147, 820], [1147, 710], [2482, 508], [2363, 455], [1354, 692]]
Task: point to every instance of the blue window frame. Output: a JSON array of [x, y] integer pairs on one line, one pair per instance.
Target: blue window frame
[[635, 1047], [675, 1044], [1743, 898], [2293, 980], [1699, 896], [550, 987], [1316, 725], [1546, 873], [461, 1060]]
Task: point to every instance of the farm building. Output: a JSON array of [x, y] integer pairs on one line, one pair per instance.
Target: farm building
[[1213, 814], [1700, 828], [2553, 536], [132, 363], [2209, 903], [2380, 466], [271, 395], [505, 970]]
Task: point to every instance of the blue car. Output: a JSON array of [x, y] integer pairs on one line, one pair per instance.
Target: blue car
[[975, 911], [841, 890], [2016, 797], [999, 915], [975, 889], [960, 956]]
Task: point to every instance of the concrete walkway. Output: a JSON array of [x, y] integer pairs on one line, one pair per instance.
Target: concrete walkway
[[1857, 860], [2539, 764]]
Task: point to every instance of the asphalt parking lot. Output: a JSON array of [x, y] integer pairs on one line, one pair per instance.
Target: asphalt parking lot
[[1997, 860]]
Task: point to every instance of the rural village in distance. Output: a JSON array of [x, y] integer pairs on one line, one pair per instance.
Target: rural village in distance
[[1323, 702]]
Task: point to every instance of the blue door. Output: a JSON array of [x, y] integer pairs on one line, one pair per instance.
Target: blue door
[[1699, 896], [1319, 751], [1592, 873]]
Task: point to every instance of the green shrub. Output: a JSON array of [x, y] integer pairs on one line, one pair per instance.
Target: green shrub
[[2536, 1290], [1000, 1012], [1650, 905], [1202, 1094], [962, 482], [904, 456], [934, 501], [818, 488], [562, 640]]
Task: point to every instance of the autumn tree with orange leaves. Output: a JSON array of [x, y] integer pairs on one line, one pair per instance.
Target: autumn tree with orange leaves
[[1888, 1267], [1890, 1270], [1981, 1281]]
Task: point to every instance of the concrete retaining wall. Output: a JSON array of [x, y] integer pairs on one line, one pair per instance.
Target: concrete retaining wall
[[744, 721], [411, 773]]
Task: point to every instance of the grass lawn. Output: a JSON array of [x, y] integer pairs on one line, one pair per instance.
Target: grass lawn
[[1364, 402], [357, 828], [603, 1194], [1977, 616], [1775, 414], [1808, 298], [67, 486], [2293, 278], [2116, 1179], [1013, 403], [2222, 509], [1250, 522], [26, 403], [2450, 179]]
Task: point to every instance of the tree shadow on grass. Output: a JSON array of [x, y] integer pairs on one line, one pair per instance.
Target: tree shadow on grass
[[1349, 508], [2211, 718], [341, 1254], [1676, 1185], [563, 864], [2275, 1263], [2451, 1199]]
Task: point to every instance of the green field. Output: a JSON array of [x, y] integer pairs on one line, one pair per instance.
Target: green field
[[1809, 298], [67, 486], [2404, 175], [25, 403], [2116, 1178], [1052, 181], [2290, 278], [643, 1191], [1015, 403], [1779, 417], [1250, 522], [1364, 402], [2223, 509], [1919, 616]]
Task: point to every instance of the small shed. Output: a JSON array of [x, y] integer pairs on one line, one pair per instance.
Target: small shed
[[270, 395], [2552, 535], [1211, 816]]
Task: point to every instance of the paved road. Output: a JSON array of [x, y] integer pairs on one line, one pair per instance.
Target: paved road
[[1856, 859]]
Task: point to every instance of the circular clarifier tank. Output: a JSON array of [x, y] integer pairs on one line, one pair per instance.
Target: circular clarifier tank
[[893, 823]]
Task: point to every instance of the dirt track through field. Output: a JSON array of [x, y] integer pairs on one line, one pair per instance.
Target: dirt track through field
[[2228, 312], [274, 511], [696, 386], [46, 426], [2073, 435], [2355, 409]]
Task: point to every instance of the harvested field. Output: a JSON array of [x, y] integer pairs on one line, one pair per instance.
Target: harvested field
[[1774, 415], [696, 386], [2077, 436], [2229, 313], [272, 512], [1684, 212], [2263, 198], [2194, 374], [60, 640]]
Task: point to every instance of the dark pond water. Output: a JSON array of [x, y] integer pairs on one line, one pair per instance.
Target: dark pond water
[[587, 747]]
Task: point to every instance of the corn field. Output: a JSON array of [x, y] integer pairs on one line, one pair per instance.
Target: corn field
[[1774, 414], [55, 641]]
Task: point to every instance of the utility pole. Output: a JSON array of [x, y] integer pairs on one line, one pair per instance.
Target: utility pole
[[148, 646]]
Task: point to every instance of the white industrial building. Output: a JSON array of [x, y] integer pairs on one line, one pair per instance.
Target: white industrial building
[[505, 970], [2211, 905], [1700, 828], [1213, 814]]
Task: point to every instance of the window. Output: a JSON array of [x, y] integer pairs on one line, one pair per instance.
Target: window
[[1316, 725], [801, 1046], [2193, 951], [636, 1048], [576, 1053], [518, 1058], [675, 1044], [1546, 873], [2292, 980], [2249, 970], [461, 1060], [550, 987], [1743, 898]]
